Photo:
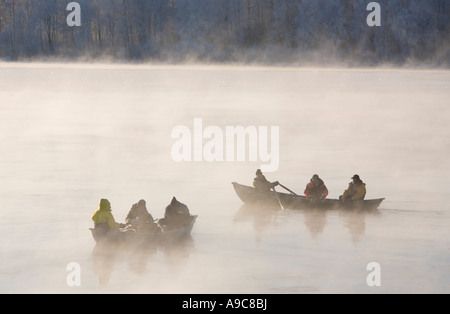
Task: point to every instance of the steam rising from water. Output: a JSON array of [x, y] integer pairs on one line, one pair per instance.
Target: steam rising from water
[[72, 134]]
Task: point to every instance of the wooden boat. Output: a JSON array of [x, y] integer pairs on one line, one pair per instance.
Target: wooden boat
[[127, 236], [249, 195]]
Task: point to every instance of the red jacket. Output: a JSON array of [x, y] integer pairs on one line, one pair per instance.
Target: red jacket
[[316, 191]]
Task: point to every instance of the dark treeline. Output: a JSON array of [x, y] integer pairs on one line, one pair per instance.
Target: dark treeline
[[300, 31]]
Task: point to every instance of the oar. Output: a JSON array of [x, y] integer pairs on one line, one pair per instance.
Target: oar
[[278, 199], [287, 189]]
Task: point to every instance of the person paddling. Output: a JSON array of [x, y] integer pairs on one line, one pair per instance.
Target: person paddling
[[262, 184]]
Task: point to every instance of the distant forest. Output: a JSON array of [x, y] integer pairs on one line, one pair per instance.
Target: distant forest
[[303, 32]]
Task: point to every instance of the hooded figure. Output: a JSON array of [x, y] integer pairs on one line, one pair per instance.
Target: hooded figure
[[316, 189], [176, 215], [356, 190], [140, 218], [103, 217], [139, 210]]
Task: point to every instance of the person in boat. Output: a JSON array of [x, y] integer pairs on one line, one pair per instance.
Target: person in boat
[[262, 184], [356, 190], [315, 189], [176, 215], [103, 217], [139, 218]]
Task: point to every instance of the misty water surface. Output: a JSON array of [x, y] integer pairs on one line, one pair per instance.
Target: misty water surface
[[72, 134]]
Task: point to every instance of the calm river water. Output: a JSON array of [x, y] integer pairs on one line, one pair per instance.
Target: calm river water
[[73, 134]]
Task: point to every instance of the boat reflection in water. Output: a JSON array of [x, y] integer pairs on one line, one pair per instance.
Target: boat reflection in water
[[262, 217], [107, 257], [355, 221], [315, 219], [138, 248]]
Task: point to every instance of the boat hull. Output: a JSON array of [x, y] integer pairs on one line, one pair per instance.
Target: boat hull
[[249, 195], [122, 236]]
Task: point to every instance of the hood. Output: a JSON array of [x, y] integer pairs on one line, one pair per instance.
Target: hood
[[104, 205], [319, 180]]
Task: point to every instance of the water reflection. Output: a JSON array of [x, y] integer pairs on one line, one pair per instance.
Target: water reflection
[[106, 256], [138, 257], [315, 219], [262, 217], [355, 221], [177, 254]]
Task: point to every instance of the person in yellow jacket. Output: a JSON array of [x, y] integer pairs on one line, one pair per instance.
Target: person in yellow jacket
[[356, 190], [103, 217]]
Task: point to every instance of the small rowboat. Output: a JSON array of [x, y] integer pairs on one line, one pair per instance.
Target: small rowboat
[[249, 195], [126, 236]]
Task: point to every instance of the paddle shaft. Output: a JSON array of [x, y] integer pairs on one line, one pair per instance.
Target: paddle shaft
[[287, 189], [278, 199]]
